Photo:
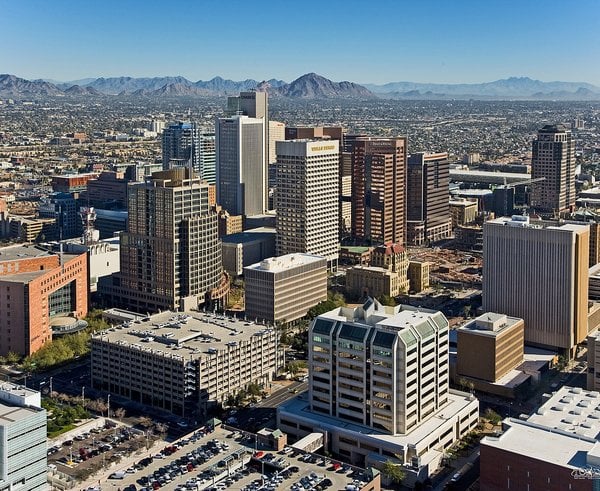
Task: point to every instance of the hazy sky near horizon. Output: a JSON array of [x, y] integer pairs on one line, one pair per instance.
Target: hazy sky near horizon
[[377, 41]]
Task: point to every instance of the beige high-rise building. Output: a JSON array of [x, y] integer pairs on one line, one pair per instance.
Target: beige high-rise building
[[307, 198], [170, 254], [284, 288], [539, 273], [553, 158], [276, 134]]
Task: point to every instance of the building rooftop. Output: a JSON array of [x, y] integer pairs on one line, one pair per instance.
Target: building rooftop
[[17, 252], [571, 409], [10, 414], [523, 221], [282, 263], [249, 235], [490, 324], [185, 335], [544, 444], [9, 388]]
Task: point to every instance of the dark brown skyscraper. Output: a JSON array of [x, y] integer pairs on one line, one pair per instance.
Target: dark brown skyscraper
[[553, 157], [379, 183], [428, 209]]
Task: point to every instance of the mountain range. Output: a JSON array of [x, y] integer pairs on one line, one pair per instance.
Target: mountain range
[[309, 86]]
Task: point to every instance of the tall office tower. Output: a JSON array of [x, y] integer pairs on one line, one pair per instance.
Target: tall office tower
[[307, 198], [63, 208], [207, 157], [252, 103], [180, 146], [171, 253], [241, 165], [276, 133], [538, 272], [553, 158], [379, 196], [383, 368], [428, 194]]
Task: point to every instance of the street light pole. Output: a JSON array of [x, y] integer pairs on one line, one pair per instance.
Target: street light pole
[[50, 386], [83, 396], [108, 407]]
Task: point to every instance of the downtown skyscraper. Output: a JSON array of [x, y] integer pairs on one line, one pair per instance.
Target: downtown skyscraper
[[180, 146], [379, 190], [553, 158], [170, 253], [241, 165], [307, 198]]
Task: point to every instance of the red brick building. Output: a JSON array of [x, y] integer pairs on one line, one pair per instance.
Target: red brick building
[[34, 287]]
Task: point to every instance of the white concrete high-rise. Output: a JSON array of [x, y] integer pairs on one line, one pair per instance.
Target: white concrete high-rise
[[307, 198], [241, 175], [207, 157], [276, 133]]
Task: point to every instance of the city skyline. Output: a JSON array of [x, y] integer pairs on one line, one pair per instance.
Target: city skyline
[[435, 41]]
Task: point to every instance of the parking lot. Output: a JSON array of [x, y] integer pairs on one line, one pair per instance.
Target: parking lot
[[88, 451], [222, 460]]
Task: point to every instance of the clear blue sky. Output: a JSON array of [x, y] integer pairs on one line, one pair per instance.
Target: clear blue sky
[[363, 41]]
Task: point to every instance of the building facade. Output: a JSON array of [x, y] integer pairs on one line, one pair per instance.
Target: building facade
[[180, 146], [184, 362], [386, 275], [538, 271], [207, 157], [36, 286], [171, 252], [241, 176], [555, 449], [307, 198], [490, 346], [62, 207], [553, 158], [379, 189], [284, 288], [378, 388], [428, 191], [22, 439]]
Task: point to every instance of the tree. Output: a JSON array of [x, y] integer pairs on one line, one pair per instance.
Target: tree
[[393, 472], [119, 413], [387, 300], [492, 416], [145, 422], [12, 357], [254, 389]]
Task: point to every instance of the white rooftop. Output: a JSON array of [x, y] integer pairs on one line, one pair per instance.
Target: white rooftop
[[564, 430], [287, 262]]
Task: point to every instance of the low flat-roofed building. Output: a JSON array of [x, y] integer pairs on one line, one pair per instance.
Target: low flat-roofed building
[[23, 436], [184, 362], [551, 450], [36, 286], [284, 288], [490, 346], [421, 451], [371, 281], [593, 361], [246, 248]]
